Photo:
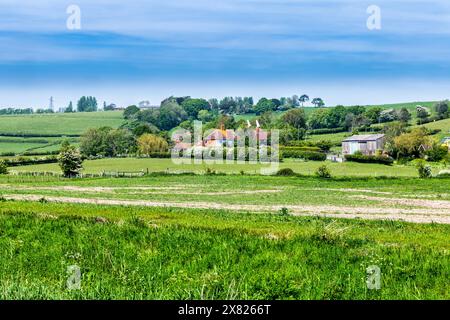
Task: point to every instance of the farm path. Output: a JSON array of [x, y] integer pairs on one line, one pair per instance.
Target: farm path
[[421, 211]]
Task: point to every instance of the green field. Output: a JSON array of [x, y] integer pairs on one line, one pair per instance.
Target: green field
[[59, 123], [181, 232], [443, 125], [223, 237], [18, 145], [350, 169]]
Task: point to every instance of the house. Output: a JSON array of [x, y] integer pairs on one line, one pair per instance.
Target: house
[[366, 144], [219, 137]]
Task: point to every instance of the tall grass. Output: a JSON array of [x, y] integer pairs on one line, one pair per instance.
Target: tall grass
[[213, 255]]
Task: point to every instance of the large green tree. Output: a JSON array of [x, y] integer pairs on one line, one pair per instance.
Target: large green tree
[[194, 106], [107, 142], [264, 105], [87, 104], [404, 115], [318, 102], [295, 118], [303, 98], [130, 111], [442, 109]]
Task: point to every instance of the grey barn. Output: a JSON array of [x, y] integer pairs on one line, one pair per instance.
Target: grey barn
[[367, 144]]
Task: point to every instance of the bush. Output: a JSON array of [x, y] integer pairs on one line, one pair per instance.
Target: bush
[[306, 155], [428, 120], [437, 153], [150, 143], [323, 145], [157, 155], [286, 172], [304, 148], [3, 167], [326, 130], [7, 154], [21, 161], [369, 159], [323, 172], [424, 170]]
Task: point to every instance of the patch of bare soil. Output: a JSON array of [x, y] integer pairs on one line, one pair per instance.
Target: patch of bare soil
[[418, 215], [349, 190], [90, 189], [434, 204]]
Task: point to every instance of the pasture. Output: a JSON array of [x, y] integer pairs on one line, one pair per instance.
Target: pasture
[[58, 123], [224, 237], [349, 169]]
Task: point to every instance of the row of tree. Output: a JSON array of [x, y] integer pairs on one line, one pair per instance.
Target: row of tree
[[11, 111], [243, 105]]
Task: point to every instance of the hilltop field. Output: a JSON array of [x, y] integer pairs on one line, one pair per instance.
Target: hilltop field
[[43, 133]]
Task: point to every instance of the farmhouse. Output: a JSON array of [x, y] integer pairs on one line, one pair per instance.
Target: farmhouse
[[219, 137], [366, 144]]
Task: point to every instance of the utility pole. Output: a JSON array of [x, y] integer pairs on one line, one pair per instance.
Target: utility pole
[[51, 105]]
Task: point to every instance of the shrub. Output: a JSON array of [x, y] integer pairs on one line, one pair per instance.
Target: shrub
[[3, 167], [284, 211], [303, 148], [307, 155], [210, 172], [324, 145], [70, 161], [150, 143], [21, 161], [325, 131], [437, 152], [7, 154], [286, 172], [323, 172], [424, 170], [369, 159]]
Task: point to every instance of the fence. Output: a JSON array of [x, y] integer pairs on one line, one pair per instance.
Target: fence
[[123, 174], [104, 174]]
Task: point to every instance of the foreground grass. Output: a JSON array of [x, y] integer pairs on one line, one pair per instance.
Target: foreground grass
[[151, 253]]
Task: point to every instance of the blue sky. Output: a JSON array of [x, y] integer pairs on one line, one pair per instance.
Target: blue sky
[[127, 51]]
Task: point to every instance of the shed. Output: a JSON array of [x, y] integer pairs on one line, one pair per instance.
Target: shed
[[367, 144]]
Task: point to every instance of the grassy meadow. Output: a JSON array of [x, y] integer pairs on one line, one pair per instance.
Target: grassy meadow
[[179, 251], [350, 169]]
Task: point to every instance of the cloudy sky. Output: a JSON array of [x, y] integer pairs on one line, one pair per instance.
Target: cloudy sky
[[127, 51]]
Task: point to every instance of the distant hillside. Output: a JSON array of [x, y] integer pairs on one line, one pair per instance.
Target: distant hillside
[[443, 125], [58, 123]]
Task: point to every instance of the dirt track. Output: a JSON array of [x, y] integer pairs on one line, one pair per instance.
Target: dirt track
[[422, 212]]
